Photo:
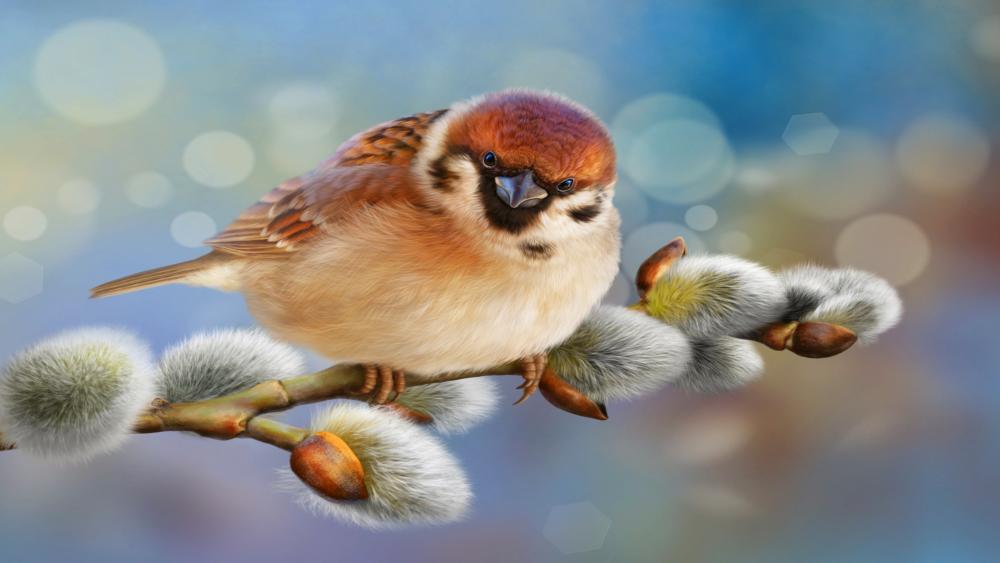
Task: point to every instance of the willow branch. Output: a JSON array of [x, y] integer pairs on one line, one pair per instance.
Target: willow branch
[[238, 414], [235, 415]]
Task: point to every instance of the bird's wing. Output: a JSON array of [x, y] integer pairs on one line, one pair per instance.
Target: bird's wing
[[393, 142], [296, 211]]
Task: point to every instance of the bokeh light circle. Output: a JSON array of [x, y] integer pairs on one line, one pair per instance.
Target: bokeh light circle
[[149, 189], [638, 115], [891, 246], [735, 242], [854, 177], [755, 179], [25, 223], [99, 71], [707, 437], [192, 228], [701, 217], [303, 111], [941, 154], [78, 197], [645, 240], [985, 38], [673, 148], [218, 159], [718, 501]]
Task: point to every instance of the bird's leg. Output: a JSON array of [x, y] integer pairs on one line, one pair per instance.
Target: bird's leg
[[381, 381], [532, 369]]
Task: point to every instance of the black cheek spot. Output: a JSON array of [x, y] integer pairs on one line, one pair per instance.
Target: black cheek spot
[[442, 176], [536, 250], [586, 213]]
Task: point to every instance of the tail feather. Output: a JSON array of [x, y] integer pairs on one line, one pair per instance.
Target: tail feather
[[175, 273]]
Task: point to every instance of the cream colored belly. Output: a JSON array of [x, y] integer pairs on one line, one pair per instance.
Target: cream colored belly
[[426, 316]]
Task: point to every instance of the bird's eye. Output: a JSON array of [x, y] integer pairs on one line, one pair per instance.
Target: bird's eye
[[566, 185], [490, 159]]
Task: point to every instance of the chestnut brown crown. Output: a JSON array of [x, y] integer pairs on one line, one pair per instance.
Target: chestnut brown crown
[[550, 135]]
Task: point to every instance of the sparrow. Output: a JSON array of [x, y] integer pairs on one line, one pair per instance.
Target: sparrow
[[452, 240]]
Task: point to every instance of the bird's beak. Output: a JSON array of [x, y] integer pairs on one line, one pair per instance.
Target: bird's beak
[[520, 190]]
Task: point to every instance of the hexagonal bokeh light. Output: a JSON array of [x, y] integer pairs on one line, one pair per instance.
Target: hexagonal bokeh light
[[810, 133], [21, 278], [576, 527]]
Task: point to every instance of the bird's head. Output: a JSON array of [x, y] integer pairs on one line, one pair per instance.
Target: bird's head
[[520, 165]]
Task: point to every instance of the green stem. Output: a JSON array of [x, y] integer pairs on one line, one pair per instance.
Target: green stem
[[279, 434]]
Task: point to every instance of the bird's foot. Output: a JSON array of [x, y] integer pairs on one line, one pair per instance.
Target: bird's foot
[[532, 369], [382, 381]]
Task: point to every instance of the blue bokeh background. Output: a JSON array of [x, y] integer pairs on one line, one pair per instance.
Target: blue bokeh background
[[888, 452]]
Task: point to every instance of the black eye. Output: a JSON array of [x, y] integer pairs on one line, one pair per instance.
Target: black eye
[[490, 159], [566, 185]]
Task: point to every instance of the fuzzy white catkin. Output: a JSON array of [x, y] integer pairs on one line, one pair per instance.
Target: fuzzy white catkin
[[220, 362], [620, 354], [718, 295], [721, 364], [77, 394], [858, 300], [411, 478], [454, 406]]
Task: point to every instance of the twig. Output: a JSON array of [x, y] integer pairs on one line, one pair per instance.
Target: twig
[[238, 414]]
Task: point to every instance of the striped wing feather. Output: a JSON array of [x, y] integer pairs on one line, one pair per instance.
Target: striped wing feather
[[371, 168]]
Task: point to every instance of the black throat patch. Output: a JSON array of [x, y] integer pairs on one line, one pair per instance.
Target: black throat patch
[[505, 217]]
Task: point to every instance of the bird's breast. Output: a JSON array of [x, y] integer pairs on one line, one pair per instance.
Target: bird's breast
[[428, 302]]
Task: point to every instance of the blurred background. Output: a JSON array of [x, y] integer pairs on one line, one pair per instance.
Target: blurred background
[[860, 133]]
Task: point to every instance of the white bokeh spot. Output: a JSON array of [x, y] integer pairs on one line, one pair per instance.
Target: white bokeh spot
[[191, 228], [890, 246], [810, 134], [942, 154], [576, 527], [735, 242], [701, 217], [99, 71], [673, 147], [25, 223], [856, 176], [985, 38], [303, 111], [719, 502], [218, 159], [78, 197], [21, 278], [707, 437], [149, 189]]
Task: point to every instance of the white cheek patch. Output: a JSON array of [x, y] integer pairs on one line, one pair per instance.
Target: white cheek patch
[[465, 188], [558, 222]]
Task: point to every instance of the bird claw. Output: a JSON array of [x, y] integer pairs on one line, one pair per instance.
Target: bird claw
[[532, 369], [382, 381]]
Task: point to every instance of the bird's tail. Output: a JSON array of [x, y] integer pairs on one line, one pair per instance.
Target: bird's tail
[[175, 273]]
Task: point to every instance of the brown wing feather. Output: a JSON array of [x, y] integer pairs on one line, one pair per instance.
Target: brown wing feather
[[297, 210], [369, 168], [393, 142]]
